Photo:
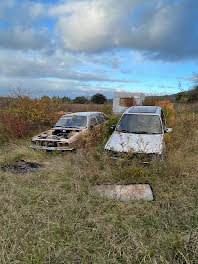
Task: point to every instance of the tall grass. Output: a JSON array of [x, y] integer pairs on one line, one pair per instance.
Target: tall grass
[[85, 108], [51, 217]]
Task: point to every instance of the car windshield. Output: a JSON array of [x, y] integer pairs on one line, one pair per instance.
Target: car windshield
[[72, 121], [140, 124]]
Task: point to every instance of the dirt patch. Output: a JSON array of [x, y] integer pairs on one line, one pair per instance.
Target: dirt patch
[[21, 166]]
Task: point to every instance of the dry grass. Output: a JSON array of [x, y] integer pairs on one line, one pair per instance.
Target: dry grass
[[50, 217], [85, 107]]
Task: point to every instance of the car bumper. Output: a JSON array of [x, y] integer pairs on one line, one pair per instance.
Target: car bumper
[[51, 148], [142, 157]]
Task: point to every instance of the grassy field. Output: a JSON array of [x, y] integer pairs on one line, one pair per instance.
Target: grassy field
[[85, 107], [50, 216]]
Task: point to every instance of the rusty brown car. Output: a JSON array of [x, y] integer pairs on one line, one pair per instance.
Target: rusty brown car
[[68, 130]]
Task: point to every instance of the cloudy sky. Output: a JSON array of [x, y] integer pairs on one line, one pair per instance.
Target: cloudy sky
[[80, 47]]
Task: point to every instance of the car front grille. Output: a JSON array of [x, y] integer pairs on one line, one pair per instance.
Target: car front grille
[[46, 143], [143, 157]]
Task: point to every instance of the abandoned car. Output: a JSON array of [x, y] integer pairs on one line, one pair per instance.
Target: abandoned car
[[68, 130], [140, 133]]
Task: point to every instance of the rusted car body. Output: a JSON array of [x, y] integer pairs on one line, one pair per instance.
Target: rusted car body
[[68, 130]]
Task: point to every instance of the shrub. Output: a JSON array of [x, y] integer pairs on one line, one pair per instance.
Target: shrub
[[149, 101], [80, 100], [113, 120], [24, 114], [190, 96], [107, 109], [33, 112], [98, 98], [14, 126]]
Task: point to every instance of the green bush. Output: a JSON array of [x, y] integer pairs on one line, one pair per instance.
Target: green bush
[[113, 120]]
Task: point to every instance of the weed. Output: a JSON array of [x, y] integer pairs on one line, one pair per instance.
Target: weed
[[50, 216]]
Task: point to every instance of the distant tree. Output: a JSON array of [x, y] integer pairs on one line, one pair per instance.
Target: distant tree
[[80, 100], [190, 95], [55, 99], [98, 98], [66, 99], [181, 97], [45, 98], [193, 95]]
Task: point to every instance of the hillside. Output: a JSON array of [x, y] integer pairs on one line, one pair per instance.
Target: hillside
[[189, 96]]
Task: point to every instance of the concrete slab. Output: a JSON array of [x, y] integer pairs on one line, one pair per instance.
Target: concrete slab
[[124, 192]]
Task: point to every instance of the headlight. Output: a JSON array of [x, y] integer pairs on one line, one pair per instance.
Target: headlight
[[33, 142]]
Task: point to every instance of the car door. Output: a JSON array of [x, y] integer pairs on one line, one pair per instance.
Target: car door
[[163, 119], [100, 119], [92, 121]]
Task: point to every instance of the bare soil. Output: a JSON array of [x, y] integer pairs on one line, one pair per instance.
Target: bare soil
[[21, 166]]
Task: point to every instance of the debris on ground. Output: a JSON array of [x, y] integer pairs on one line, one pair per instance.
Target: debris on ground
[[124, 192], [21, 166]]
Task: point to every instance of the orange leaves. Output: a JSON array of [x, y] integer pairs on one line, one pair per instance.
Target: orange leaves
[[23, 114], [35, 112], [13, 126]]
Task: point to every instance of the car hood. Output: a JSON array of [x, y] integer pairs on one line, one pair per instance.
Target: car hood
[[137, 143]]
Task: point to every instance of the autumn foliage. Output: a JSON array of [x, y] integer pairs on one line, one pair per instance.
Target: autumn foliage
[[23, 114], [13, 126], [168, 109]]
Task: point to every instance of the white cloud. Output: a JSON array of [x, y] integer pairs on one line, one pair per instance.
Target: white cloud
[[19, 38], [21, 12], [92, 25], [84, 45], [59, 65], [54, 87], [160, 29]]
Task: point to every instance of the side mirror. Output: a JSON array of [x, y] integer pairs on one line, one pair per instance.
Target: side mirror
[[168, 130], [112, 127]]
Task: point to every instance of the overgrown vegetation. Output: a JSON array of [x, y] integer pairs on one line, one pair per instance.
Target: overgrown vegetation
[[50, 216], [22, 115], [190, 96]]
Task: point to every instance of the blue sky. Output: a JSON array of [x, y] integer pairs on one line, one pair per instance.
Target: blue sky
[[81, 47]]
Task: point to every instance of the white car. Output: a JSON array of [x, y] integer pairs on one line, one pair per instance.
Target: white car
[[140, 132]]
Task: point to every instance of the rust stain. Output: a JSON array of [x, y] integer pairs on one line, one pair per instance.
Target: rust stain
[[127, 101]]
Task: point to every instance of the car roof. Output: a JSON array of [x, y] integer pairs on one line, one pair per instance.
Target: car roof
[[83, 113], [151, 110]]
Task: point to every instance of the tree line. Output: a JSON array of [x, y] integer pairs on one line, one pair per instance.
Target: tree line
[[95, 99]]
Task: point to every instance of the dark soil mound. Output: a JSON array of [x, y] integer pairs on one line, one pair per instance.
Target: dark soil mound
[[21, 166]]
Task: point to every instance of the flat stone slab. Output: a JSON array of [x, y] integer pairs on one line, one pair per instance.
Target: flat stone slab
[[124, 192]]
